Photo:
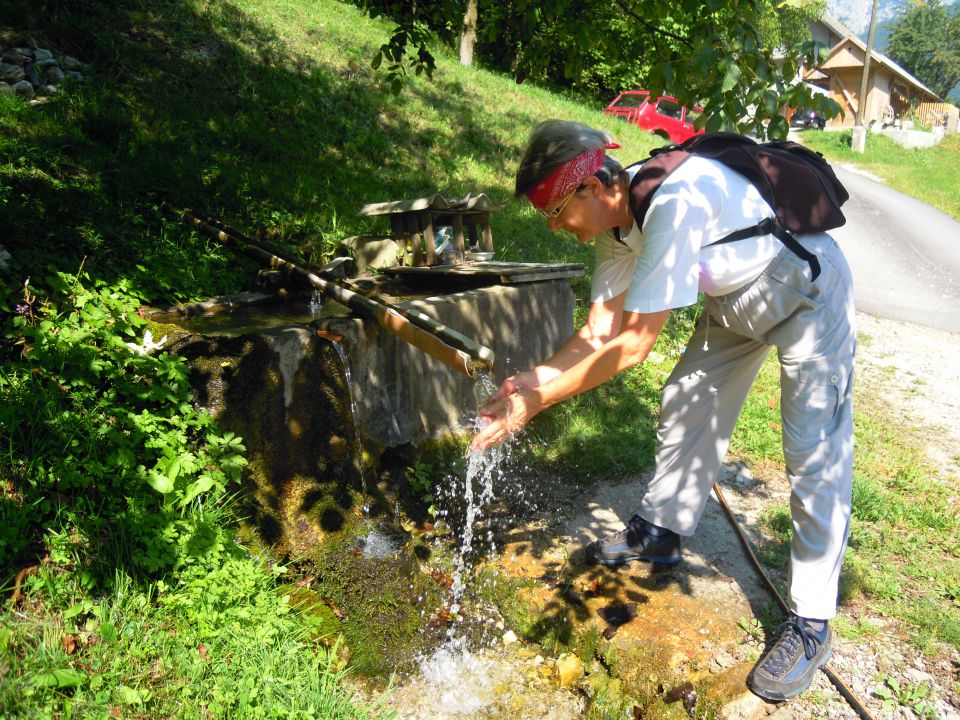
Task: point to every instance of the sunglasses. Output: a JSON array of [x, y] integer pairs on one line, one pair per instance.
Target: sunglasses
[[555, 212]]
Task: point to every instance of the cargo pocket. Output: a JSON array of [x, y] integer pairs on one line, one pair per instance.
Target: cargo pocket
[[810, 405]]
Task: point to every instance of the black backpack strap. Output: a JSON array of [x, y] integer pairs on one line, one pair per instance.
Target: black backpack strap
[[769, 226]]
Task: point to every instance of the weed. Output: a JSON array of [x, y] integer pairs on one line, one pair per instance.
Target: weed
[[917, 698]]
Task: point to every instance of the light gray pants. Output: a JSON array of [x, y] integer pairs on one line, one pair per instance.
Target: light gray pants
[[812, 325]]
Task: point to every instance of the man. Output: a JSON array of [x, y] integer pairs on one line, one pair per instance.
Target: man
[[759, 294]]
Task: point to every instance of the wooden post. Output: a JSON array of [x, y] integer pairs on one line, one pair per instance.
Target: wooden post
[[428, 240], [487, 233], [458, 235], [472, 231], [413, 233], [399, 233]]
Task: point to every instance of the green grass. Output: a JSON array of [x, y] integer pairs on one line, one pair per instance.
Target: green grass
[[928, 174], [903, 560], [221, 642]]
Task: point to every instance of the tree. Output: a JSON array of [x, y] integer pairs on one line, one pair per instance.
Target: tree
[[926, 41], [737, 58], [468, 36]]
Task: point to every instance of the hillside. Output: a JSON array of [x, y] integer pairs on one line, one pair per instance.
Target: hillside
[[264, 114]]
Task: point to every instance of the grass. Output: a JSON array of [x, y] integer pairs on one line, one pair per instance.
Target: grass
[[221, 644], [266, 114], [929, 174], [903, 560]]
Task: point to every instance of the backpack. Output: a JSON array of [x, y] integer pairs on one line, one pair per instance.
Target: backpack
[[796, 182]]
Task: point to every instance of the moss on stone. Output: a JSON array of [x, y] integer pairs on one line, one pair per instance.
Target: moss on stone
[[385, 603]]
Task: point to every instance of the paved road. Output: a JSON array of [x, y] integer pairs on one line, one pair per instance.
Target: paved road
[[905, 255]]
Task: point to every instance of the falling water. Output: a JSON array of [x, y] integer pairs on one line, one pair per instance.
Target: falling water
[[316, 305], [482, 466], [457, 680]]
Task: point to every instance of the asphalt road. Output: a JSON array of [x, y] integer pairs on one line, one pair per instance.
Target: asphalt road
[[904, 254]]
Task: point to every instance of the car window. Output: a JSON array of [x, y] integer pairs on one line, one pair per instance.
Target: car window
[[693, 114], [629, 100], [668, 107]]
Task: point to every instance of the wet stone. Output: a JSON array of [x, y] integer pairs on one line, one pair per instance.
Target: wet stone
[[17, 56], [70, 63]]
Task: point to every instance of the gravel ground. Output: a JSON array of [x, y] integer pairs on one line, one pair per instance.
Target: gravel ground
[[914, 371]]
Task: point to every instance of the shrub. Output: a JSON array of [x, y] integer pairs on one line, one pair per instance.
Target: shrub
[[97, 433]]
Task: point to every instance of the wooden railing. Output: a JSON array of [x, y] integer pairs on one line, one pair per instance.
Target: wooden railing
[[934, 114]]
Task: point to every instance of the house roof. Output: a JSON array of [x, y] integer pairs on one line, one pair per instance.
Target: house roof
[[835, 26], [884, 60]]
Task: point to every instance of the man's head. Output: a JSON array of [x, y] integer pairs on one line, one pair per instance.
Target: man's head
[[567, 176], [558, 157]]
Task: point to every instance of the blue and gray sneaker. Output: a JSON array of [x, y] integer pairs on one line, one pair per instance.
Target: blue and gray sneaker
[[639, 540], [788, 668]]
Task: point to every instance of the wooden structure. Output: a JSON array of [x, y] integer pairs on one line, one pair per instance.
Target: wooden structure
[[414, 222], [892, 92], [480, 274]]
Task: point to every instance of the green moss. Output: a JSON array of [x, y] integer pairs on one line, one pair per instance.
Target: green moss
[[385, 603]]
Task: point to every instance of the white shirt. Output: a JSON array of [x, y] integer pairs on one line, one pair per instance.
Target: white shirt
[[665, 263]]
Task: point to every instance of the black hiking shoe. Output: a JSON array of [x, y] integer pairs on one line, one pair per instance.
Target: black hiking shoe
[[788, 668], [636, 542]]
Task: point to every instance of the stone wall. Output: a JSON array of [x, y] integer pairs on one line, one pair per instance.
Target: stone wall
[[37, 72]]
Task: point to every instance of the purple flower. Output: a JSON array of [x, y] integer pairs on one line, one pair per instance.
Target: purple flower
[[23, 309]]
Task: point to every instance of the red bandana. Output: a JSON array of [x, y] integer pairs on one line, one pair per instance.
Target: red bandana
[[567, 177]]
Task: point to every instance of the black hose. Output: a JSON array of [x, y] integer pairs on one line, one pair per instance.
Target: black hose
[[858, 707]]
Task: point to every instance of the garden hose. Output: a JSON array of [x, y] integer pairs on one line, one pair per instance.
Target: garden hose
[[858, 707]]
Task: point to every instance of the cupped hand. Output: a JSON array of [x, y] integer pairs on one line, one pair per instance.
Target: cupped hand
[[509, 386], [507, 417]]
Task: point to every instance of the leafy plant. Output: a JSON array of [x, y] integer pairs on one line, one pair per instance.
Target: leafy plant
[[420, 476], [916, 697], [113, 442]]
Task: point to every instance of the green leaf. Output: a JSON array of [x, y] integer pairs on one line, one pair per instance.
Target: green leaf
[[72, 611], [731, 77], [129, 695], [59, 678], [161, 483], [108, 632]]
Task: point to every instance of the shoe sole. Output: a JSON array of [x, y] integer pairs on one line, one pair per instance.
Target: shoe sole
[[617, 562]]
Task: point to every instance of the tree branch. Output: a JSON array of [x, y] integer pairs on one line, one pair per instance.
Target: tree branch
[[652, 28]]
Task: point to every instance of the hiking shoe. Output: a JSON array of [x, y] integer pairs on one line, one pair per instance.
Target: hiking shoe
[[639, 540], [788, 668]]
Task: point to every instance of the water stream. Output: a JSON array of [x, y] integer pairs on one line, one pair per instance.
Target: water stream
[[345, 363]]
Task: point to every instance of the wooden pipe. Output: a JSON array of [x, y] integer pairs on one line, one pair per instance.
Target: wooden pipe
[[437, 340]]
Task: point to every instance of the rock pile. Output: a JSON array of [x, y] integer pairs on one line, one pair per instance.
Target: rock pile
[[31, 72]]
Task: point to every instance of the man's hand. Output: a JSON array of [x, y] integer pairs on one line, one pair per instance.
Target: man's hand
[[507, 417], [523, 380]]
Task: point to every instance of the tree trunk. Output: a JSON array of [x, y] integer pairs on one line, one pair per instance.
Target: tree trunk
[[468, 38]]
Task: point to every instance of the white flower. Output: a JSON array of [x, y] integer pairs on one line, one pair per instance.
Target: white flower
[[148, 345]]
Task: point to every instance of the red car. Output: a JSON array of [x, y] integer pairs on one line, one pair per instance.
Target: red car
[[663, 116]]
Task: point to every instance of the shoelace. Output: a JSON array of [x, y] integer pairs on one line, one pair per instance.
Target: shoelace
[[783, 653]]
